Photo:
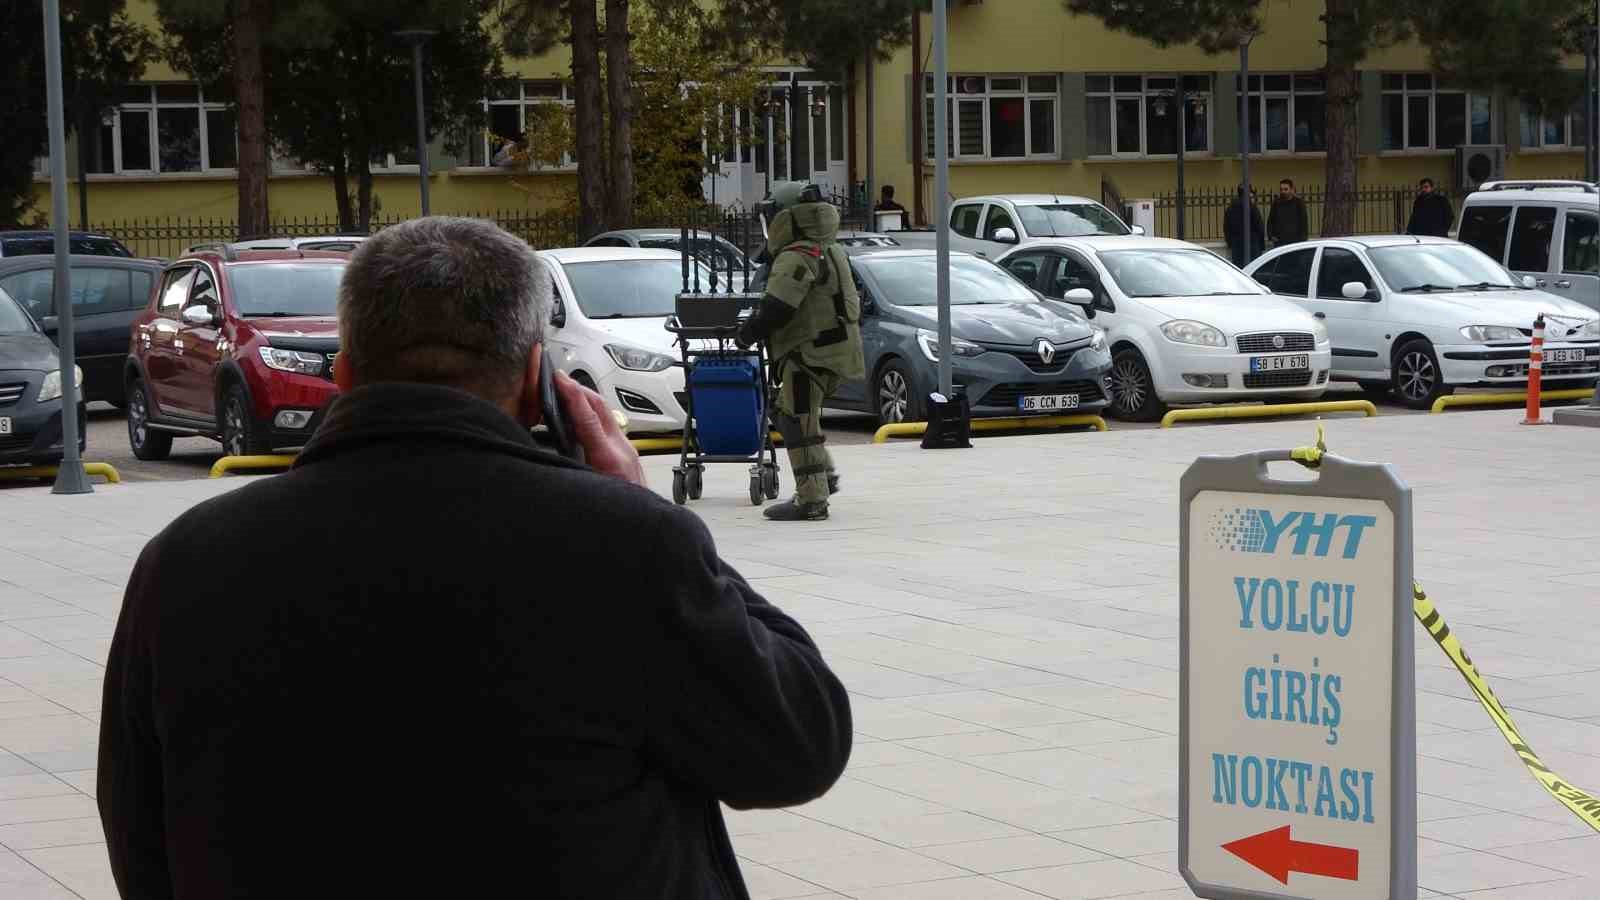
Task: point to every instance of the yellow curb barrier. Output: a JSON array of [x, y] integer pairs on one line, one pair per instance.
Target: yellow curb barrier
[[675, 443], [1444, 403], [1267, 411], [105, 470], [916, 429], [244, 463]]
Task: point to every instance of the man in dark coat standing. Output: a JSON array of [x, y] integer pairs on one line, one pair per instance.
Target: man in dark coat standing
[[443, 661], [1431, 213], [1233, 225], [1287, 223]]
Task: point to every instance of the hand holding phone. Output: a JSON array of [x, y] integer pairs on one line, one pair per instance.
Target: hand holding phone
[[554, 417], [592, 430]]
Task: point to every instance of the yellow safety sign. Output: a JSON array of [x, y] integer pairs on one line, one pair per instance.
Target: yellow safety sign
[[1582, 803]]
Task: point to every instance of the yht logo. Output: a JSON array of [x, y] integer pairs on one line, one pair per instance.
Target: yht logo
[[1257, 531]]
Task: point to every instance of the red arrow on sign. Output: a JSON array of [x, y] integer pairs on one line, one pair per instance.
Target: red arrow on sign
[[1276, 854]]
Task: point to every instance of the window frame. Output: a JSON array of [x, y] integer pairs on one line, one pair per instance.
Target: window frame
[[1573, 130], [1260, 95], [522, 100], [1322, 260], [1566, 241], [1144, 96], [151, 108], [985, 100], [1407, 93]]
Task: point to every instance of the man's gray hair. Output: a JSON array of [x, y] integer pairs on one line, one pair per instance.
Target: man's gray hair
[[443, 300]]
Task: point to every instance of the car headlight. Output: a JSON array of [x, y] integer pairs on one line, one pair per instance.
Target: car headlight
[[929, 342], [1319, 331], [1483, 333], [292, 360], [1187, 331], [635, 359], [50, 389], [1097, 341]]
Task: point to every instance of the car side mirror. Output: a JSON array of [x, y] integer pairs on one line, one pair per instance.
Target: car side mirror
[[199, 314], [1529, 282], [1138, 230], [50, 324], [1354, 290], [558, 315], [1005, 235], [869, 306], [1082, 297]]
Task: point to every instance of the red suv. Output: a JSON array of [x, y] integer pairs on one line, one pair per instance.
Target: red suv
[[235, 345]]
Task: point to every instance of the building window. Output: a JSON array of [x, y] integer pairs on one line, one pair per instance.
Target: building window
[[998, 117], [1419, 115], [1136, 115], [164, 129], [1554, 132], [510, 112], [1288, 113]]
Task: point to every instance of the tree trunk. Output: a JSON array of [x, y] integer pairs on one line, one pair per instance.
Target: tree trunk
[[586, 86], [619, 89], [250, 22], [86, 133], [1343, 119], [364, 192], [341, 196]]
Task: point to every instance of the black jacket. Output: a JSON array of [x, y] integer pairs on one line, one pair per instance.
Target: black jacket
[[1233, 232], [1287, 223], [1431, 214], [435, 661]]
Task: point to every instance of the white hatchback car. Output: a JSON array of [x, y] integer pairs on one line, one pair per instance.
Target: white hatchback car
[[607, 329], [1185, 326], [1423, 315]]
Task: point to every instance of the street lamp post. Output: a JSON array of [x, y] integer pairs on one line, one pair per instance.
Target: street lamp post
[[1244, 138], [418, 37], [941, 192]]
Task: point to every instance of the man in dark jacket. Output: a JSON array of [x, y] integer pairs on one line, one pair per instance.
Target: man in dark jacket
[[1233, 225], [1431, 213], [434, 660], [1287, 223]]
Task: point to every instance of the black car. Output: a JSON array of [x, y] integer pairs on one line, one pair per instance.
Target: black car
[[35, 243], [108, 293], [30, 391]]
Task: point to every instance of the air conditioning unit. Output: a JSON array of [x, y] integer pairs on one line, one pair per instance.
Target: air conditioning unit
[[1477, 163]]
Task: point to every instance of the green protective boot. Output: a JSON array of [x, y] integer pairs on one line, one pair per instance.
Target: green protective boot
[[793, 510]]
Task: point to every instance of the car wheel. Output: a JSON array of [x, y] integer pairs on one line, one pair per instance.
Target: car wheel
[[239, 437], [146, 442], [1133, 389], [1417, 379], [895, 398]]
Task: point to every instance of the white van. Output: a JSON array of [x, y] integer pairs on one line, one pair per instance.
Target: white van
[[1546, 230]]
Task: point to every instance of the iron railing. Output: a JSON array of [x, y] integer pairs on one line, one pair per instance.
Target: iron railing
[[1378, 210]]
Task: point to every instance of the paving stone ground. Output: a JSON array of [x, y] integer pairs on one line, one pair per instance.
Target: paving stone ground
[[1006, 619]]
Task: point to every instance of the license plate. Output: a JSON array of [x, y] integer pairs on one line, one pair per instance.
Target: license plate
[[1564, 356], [1047, 402], [1298, 362], [5, 424]]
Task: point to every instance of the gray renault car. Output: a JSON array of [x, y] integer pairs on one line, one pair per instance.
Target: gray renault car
[[1015, 352]]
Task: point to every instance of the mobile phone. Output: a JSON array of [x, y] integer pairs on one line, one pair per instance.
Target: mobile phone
[[555, 416]]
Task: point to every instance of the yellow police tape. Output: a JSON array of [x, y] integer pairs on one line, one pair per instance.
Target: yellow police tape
[[1583, 804]]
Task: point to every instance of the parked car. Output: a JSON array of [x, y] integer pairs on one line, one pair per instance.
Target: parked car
[[87, 243], [607, 329], [30, 391], [1185, 326], [1547, 230], [108, 293], [1014, 352], [237, 346], [867, 239], [712, 250], [1423, 315], [336, 242], [989, 226]]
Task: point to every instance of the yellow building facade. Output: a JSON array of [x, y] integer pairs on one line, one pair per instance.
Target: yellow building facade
[[1041, 101]]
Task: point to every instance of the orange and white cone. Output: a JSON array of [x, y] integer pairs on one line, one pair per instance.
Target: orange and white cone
[[1535, 372]]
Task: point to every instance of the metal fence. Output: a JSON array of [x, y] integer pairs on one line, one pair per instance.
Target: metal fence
[[1378, 210]]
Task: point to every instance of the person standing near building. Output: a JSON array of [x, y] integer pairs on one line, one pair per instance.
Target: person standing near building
[[1287, 223], [1233, 230], [810, 317], [1431, 213], [888, 203]]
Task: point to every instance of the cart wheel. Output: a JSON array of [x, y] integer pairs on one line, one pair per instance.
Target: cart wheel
[[755, 490], [680, 490], [769, 482], [696, 482]]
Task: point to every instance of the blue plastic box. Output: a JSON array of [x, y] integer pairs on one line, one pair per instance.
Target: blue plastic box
[[729, 405]]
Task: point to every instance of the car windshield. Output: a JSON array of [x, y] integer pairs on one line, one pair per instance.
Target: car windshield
[[1430, 267], [43, 244], [1175, 273], [286, 289], [629, 288], [1069, 220], [909, 281], [12, 319]]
